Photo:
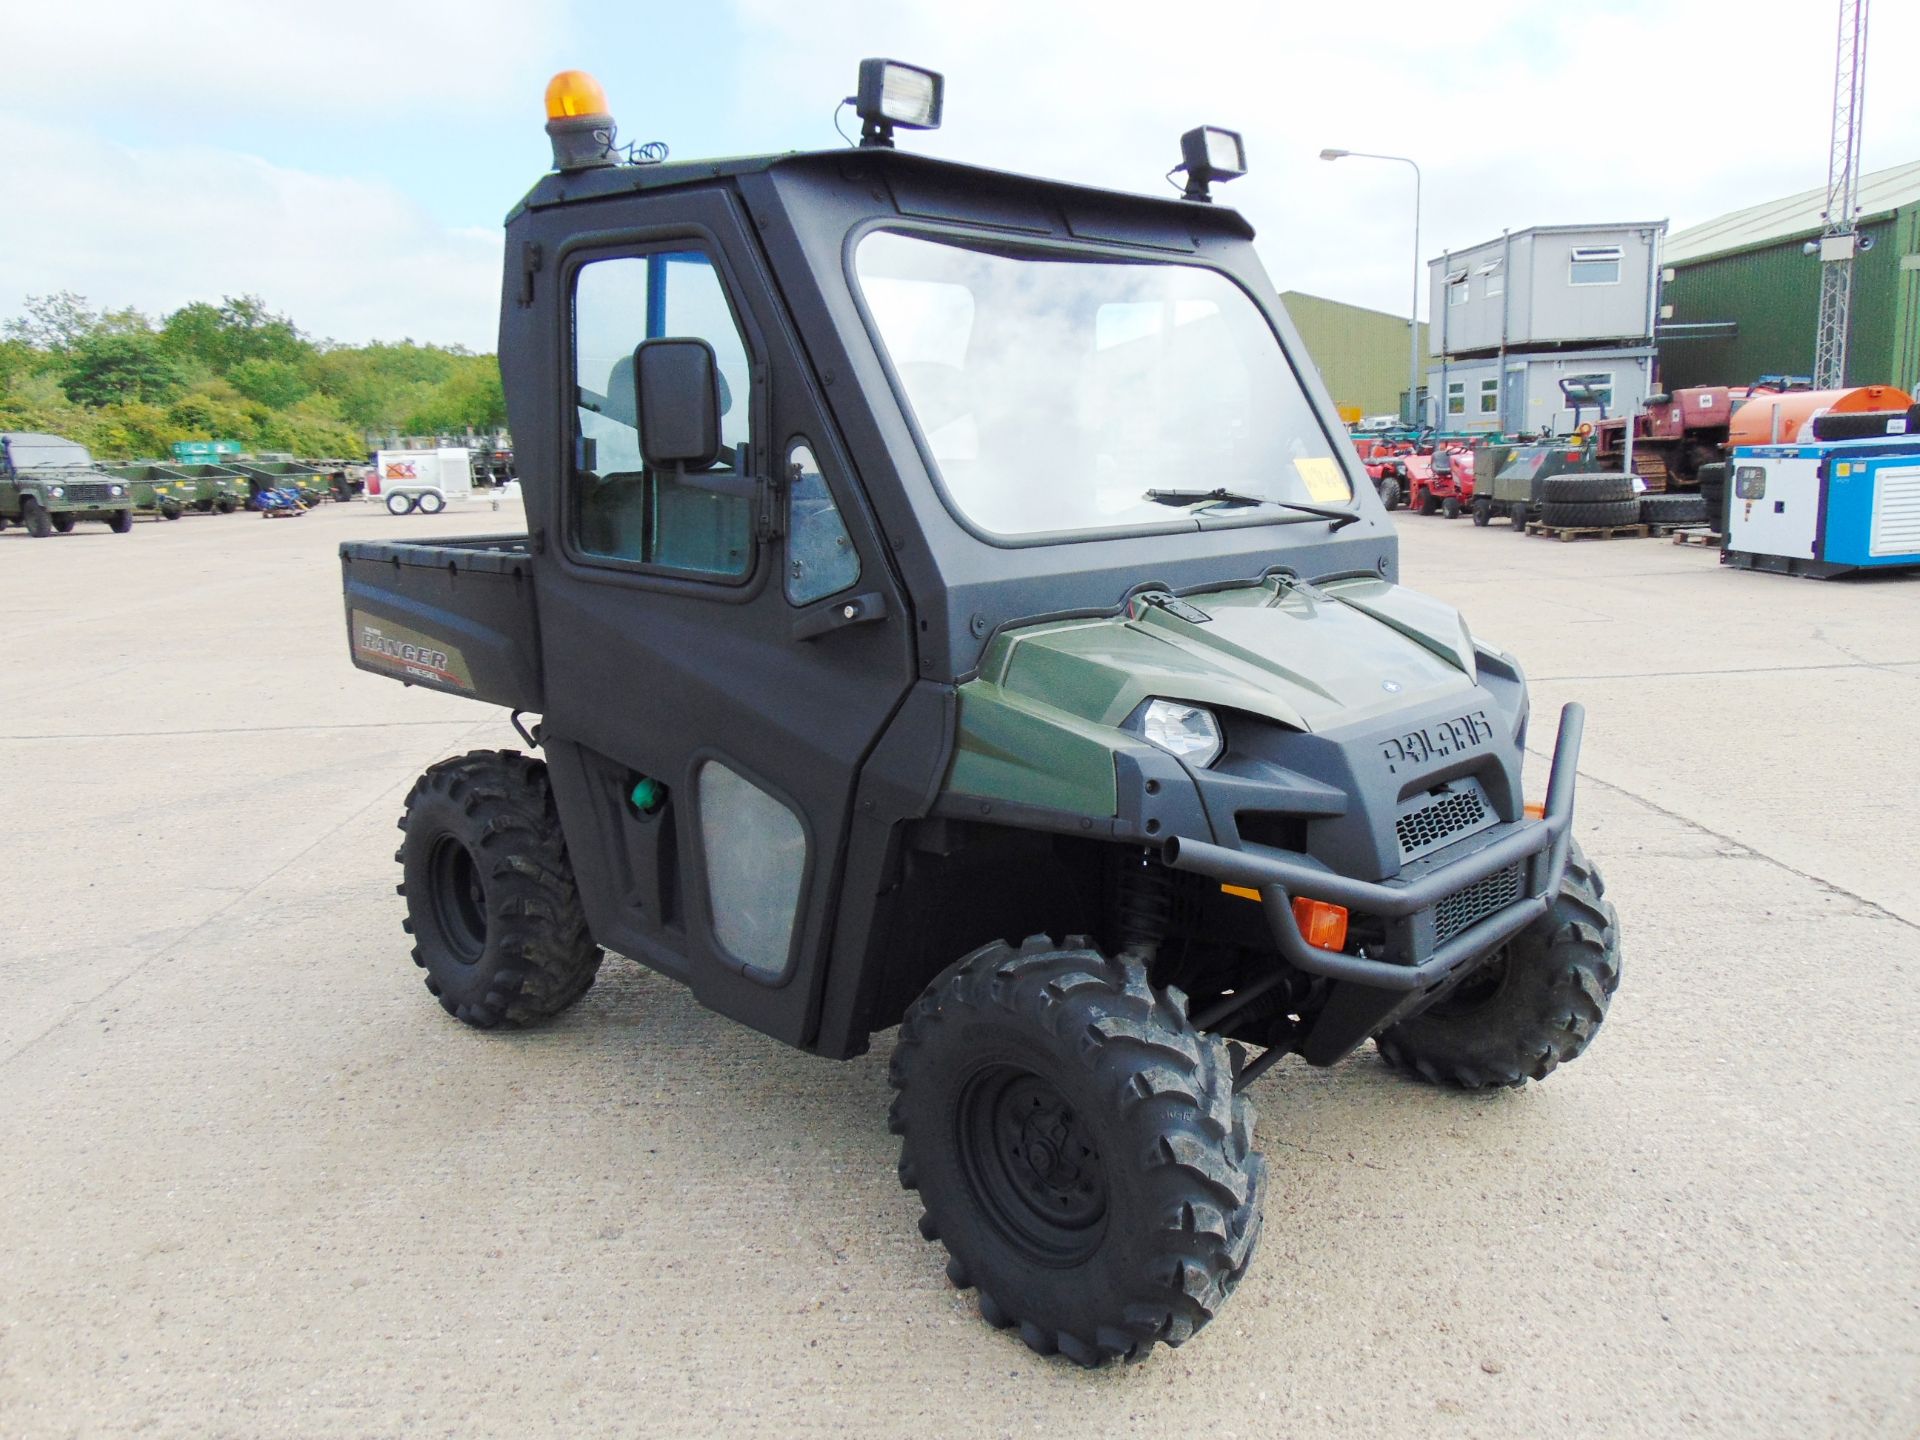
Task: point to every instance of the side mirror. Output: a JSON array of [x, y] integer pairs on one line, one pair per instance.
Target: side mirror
[[677, 394]]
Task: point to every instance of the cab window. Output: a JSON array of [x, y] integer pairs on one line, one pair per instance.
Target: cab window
[[619, 512]]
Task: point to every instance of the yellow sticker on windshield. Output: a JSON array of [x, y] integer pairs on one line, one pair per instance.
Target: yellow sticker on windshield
[[1323, 478]]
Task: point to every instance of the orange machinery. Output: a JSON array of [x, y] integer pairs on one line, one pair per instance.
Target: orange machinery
[[1769, 418]]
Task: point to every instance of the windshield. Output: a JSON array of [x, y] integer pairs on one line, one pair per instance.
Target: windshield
[[1054, 392], [29, 451]]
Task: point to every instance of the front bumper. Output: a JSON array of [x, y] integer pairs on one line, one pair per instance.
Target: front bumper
[[1540, 847]]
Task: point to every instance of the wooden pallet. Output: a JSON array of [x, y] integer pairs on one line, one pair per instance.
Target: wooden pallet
[[1564, 533], [1699, 535]]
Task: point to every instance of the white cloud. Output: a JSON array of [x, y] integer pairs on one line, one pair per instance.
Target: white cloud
[[346, 258], [1519, 113], [384, 56]]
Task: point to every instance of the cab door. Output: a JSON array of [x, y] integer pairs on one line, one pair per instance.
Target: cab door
[[722, 647]]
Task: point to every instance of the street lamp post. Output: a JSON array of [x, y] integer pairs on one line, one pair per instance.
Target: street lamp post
[[1413, 319]]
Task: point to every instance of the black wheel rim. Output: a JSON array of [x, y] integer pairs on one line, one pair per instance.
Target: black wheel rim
[[1034, 1164], [459, 900], [1473, 993]]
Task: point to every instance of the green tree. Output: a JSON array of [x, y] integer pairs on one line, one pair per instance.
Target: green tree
[[276, 384], [53, 322], [238, 329], [108, 368]]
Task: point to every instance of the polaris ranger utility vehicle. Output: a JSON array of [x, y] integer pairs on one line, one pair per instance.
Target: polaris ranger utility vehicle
[[49, 485], [949, 602]]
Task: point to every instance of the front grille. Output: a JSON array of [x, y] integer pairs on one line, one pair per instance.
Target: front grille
[[88, 492], [1439, 818], [1476, 902]]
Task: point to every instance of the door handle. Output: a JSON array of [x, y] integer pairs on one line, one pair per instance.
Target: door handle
[[855, 610]]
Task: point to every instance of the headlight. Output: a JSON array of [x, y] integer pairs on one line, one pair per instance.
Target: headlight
[[1183, 730], [118, 491], [57, 491]]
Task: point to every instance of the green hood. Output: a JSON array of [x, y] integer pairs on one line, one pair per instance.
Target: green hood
[[1306, 657]]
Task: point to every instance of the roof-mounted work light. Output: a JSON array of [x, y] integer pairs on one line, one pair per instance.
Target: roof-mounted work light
[[578, 123], [1208, 154], [893, 94]]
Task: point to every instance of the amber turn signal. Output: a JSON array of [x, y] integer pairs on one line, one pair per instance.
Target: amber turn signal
[[1324, 925], [574, 95], [1535, 812]]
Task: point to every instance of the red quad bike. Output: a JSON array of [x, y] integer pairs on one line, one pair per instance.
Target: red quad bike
[[1385, 463]]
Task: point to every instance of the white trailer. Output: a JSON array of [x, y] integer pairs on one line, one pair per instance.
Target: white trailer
[[423, 480]]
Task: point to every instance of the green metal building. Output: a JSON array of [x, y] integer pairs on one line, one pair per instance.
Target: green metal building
[[1751, 268], [1361, 354]]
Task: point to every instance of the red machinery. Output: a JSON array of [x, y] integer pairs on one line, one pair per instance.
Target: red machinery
[[1440, 481], [1674, 435]]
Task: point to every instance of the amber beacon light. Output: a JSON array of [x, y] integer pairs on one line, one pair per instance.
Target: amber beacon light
[[578, 122]]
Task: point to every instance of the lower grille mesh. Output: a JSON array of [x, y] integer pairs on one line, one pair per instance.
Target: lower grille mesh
[[1476, 902]]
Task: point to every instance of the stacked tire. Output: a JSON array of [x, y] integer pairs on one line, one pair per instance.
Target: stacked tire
[[1569, 501], [1713, 494], [1680, 509]]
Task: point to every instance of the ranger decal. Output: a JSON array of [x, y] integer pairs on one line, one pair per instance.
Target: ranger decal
[[396, 650]]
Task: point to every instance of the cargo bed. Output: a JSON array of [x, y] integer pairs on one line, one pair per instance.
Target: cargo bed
[[453, 615]]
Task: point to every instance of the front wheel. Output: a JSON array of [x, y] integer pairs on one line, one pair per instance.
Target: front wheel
[[1079, 1148], [63, 524], [1450, 507], [1527, 1010], [33, 515], [492, 904], [120, 522], [1389, 492]]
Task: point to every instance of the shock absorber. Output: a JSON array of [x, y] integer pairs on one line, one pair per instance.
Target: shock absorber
[[1143, 906]]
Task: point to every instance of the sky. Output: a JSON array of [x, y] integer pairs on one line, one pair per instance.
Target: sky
[[352, 162]]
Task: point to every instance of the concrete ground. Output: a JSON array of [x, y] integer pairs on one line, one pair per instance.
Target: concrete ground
[[256, 1183]]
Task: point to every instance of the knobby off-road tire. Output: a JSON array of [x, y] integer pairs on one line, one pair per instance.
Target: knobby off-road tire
[[1389, 489], [1450, 507], [492, 903], [1585, 489], [1605, 512], [63, 524], [121, 522], [1429, 503], [1483, 513], [38, 523], [1078, 1147], [1530, 1009]]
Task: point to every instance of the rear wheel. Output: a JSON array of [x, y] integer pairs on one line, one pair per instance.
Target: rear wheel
[[1429, 503], [399, 504], [1079, 1149], [432, 503], [1389, 492], [226, 504], [1529, 1009], [491, 900]]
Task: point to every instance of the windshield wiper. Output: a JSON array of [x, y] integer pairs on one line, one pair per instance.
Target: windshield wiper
[[1237, 497]]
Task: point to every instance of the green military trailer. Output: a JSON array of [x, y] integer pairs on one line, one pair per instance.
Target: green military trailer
[[49, 484], [1518, 492], [213, 488], [950, 603], [156, 489]]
